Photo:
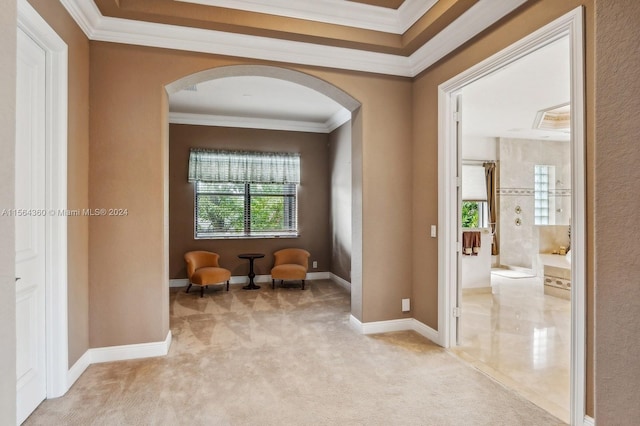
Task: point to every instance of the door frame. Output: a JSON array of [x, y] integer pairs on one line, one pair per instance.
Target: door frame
[[571, 25], [56, 333]]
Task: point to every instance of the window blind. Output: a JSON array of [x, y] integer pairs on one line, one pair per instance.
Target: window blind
[[474, 183], [244, 194], [243, 166]]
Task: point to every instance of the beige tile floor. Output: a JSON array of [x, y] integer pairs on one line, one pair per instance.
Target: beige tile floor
[[522, 338]]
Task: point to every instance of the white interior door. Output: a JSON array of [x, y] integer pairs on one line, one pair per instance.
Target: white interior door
[[30, 225]]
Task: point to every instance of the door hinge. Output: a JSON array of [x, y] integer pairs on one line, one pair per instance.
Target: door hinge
[[457, 116], [458, 246], [458, 182], [457, 312]]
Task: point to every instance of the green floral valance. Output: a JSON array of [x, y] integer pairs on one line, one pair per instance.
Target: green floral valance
[[243, 166]]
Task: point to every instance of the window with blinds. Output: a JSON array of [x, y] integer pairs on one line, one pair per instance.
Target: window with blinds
[[256, 206], [474, 197], [245, 210]]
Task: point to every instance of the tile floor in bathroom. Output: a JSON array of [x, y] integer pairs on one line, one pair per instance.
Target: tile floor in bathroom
[[522, 338]]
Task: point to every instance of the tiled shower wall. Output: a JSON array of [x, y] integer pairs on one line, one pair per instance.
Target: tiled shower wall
[[520, 243]]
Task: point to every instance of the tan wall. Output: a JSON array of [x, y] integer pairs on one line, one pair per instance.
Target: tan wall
[[386, 202], [341, 171], [7, 190], [128, 296], [313, 196], [616, 232], [127, 284], [78, 172], [127, 266], [425, 152]]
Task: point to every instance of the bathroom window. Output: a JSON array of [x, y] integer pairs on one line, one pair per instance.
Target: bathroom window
[[474, 197], [475, 214], [542, 179]]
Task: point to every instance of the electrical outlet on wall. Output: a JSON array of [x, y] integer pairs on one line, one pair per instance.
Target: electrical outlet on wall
[[406, 305], [315, 264]]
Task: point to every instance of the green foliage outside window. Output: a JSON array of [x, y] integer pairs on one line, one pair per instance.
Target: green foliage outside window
[[470, 214], [230, 209], [269, 207]]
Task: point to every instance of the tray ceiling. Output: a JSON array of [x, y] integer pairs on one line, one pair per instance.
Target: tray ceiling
[[393, 37], [396, 37]]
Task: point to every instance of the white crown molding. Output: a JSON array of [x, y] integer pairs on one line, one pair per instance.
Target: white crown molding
[[250, 122], [350, 14], [472, 22], [338, 119], [117, 30], [85, 13], [410, 11]]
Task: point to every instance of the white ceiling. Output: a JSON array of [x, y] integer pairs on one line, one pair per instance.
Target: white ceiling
[[505, 103], [257, 102]]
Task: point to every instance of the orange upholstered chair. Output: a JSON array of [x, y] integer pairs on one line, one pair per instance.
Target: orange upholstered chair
[[203, 270], [290, 264]]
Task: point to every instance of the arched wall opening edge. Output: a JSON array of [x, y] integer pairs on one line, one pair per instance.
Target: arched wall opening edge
[[309, 81]]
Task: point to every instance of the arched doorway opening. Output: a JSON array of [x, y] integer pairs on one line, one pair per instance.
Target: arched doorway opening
[[350, 107]]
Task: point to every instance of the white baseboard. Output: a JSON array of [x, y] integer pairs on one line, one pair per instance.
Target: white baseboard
[[387, 326], [588, 421], [426, 331], [355, 324], [243, 279], [181, 282], [116, 353], [78, 368], [124, 352], [316, 276], [340, 281], [395, 325]]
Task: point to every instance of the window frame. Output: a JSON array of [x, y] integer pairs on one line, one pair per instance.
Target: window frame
[[290, 202], [543, 204], [483, 214]]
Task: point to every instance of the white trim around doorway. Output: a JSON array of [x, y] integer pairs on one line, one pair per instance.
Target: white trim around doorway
[[57, 362], [571, 25]]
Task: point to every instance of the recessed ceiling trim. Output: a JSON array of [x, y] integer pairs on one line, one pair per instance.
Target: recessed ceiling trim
[[557, 118], [473, 21], [257, 123], [118, 30], [339, 12]]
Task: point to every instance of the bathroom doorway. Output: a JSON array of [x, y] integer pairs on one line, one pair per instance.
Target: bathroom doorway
[[510, 326], [499, 303]]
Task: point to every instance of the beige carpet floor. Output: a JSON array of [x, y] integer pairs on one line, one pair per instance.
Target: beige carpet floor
[[286, 357]]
